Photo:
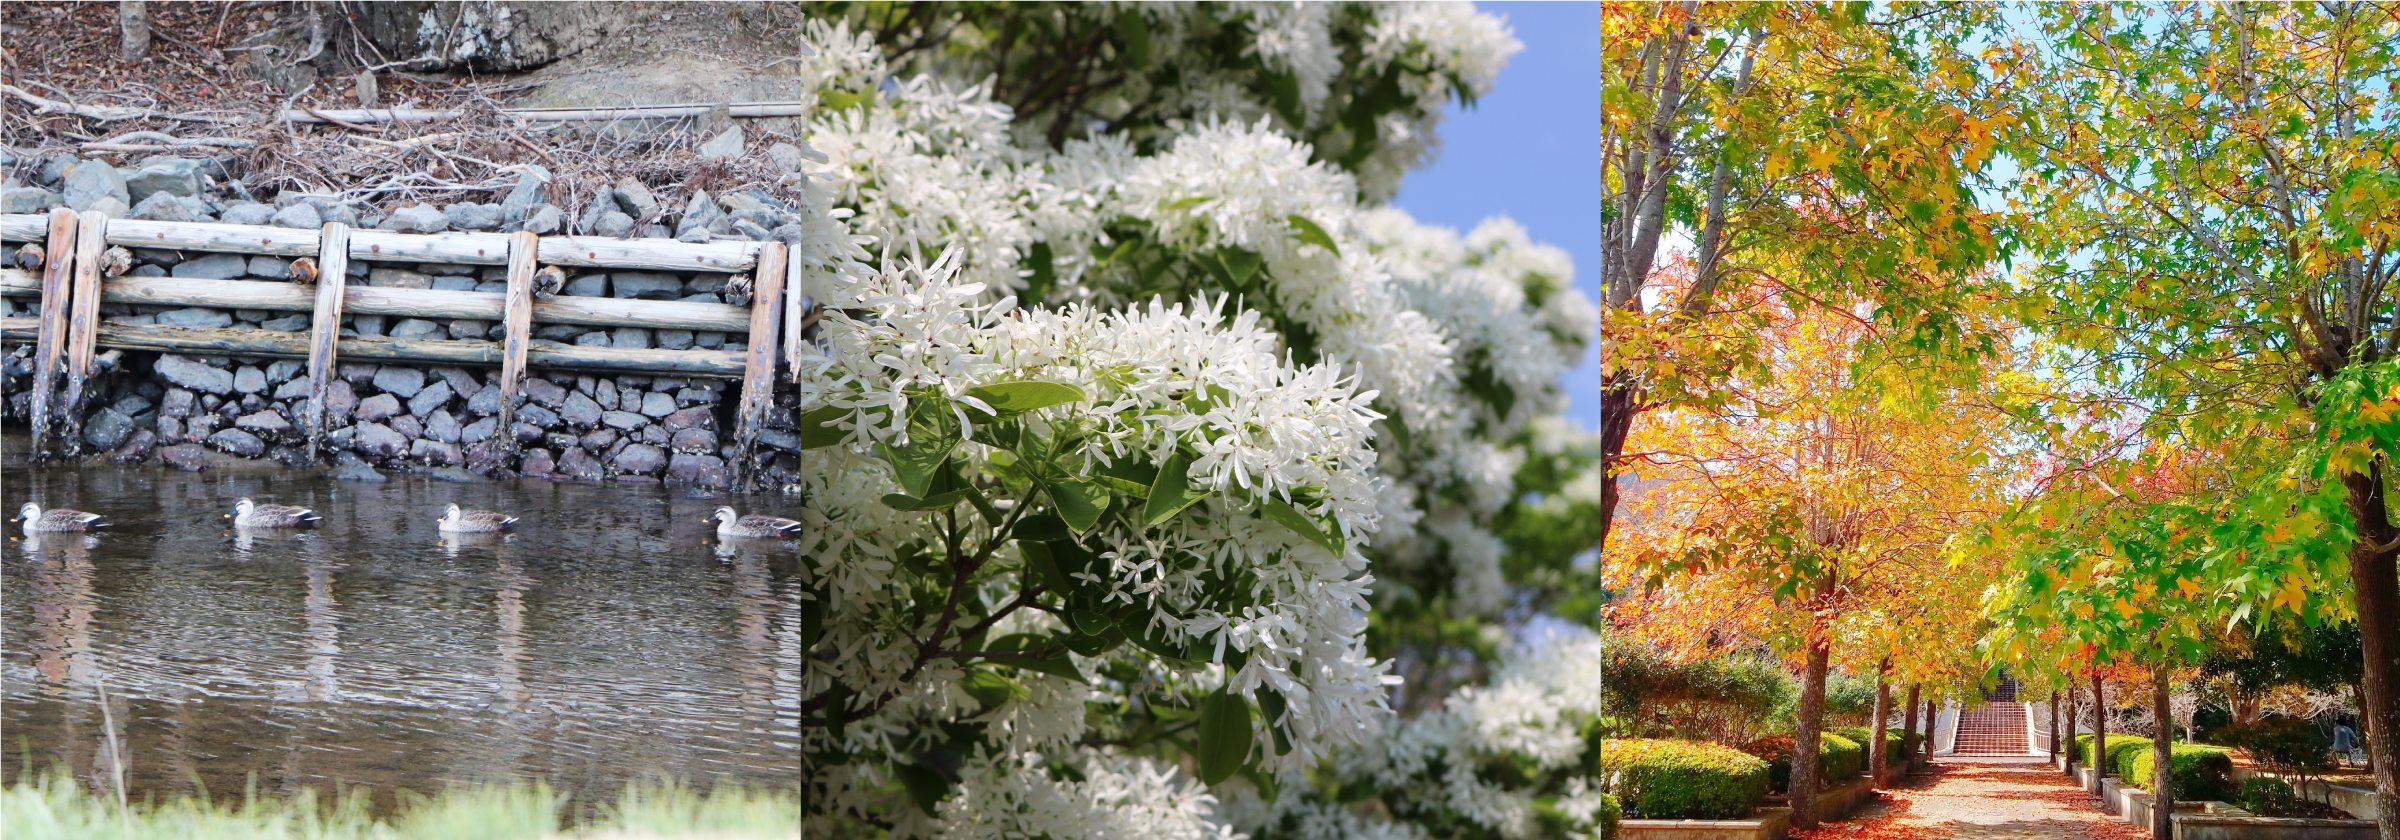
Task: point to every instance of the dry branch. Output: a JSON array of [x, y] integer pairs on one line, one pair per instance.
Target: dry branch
[[107, 113]]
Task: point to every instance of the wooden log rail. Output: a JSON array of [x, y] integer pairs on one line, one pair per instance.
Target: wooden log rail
[[71, 289]]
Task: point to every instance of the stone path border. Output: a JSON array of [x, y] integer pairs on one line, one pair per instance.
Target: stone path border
[[1981, 800]]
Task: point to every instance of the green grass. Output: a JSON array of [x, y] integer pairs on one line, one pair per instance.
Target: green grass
[[55, 808]]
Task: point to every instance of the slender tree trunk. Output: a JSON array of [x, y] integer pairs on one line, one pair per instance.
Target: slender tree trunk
[[1620, 400], [2055, 734], [1876, 752], [2162, 751], [1933, 707], [2074, 721], [2375, 585], [1811, 716], [2099, 729], [2366, 731], [1908, 730]]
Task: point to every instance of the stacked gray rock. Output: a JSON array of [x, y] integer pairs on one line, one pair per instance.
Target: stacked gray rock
[[392, 417]]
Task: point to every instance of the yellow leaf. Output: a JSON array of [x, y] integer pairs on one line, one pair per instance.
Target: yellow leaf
[[2187, 587], [1821, 159], [2293, 594], [1777, 164], [2125, 608]]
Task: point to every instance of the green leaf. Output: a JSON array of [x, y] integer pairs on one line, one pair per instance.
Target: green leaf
[[1173, 491], [926, 787], [1042, 527], [817, 430], [1091, 645], [1044, 565], [1225, 736], [1055, 663], [1135, 30], [1290, 517], [1041, 273], [932, 434], [1239, 266], [991, 689], [1153, 639], [1090, 622], [937, 501], [1079, 502], [1307, 231], [1270, 713], [1014, 398], [1128, 476], [983, 505]]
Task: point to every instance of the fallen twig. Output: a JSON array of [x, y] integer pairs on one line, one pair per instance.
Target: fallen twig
[[106, 113], [343, 123], [160, 141]]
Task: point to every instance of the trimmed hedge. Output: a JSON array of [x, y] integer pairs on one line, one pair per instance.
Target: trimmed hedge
[[1682, 780], [2202, 771], [1862, 734], [1610, 815], [1838, 759], [2119, 747]]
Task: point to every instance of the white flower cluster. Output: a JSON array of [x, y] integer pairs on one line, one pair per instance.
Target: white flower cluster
[[1533, 711], [1158, 379], [1353, 378]]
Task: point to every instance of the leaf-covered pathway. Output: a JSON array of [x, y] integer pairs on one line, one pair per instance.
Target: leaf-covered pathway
[[1981, 801]]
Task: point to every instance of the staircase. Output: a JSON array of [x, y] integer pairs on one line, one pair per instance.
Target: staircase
[[1995, 728]]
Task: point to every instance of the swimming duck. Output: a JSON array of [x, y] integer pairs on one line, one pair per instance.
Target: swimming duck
[[38, 520], [731, 524], [248, 515], [459, 521]]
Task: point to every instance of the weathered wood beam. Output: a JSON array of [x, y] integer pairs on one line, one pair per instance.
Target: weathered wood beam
[[758, 379], [794, 289], [325, 325], [23, 227], [51, 338], [409, 303], [20, 328], [524, 249], [728, 257], [721, 364], [83, 315], [731, 257], [214, 236]]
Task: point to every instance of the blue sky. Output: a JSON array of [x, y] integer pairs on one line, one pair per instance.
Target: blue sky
[[1531, 151]]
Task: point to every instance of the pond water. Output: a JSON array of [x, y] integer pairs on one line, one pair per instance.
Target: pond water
[[612, 638]]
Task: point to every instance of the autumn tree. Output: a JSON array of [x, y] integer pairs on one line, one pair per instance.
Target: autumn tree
[[1736, 131], [2220, 188], [1816, 503]]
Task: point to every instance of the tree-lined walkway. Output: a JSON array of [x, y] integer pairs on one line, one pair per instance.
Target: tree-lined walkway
[[1982, 801]]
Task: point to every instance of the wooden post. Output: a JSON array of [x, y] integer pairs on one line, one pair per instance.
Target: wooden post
[[50, 341], [758, 374], [83, 325], [524, 251], [325, 326], [792, 293]]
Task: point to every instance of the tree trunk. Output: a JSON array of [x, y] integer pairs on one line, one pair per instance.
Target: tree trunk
[[133, 30], [2055, 734], [2366, 732], [2099, 729], [2376, 589], [1805, 750], [1620, 400], [1908, 729], [2073, 722], [1811, 716], [1877, 753], [2162, 751]]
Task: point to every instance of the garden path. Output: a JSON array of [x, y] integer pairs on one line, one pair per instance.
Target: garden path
[[1982, 800]]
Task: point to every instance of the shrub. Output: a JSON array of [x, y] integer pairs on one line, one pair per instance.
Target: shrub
[[2119, 746], [2283, 745], [1838, 759], [1610, 814], [1673, 780], [2266, 796], [1862, 735], [2202, 771], [1726, 698]]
